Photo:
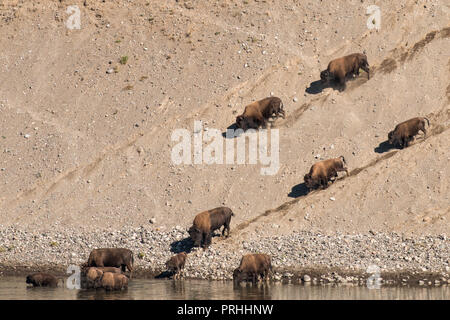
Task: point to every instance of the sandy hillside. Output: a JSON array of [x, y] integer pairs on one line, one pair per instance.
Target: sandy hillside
[[86, 147]]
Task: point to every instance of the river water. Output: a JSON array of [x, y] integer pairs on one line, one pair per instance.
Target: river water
[[156, 289]]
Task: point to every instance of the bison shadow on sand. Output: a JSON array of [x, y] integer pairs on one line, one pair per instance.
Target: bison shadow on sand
[[385, 146], [299, 190], [186, 244], [318, 86], [233, 127]]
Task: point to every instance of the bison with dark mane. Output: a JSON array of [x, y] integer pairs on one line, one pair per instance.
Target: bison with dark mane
[[339, 68], [404, 132], [208, 221], [259, 112], [322, 172]]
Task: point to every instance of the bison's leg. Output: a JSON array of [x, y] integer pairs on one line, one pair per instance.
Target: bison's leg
[[405, 142], [324, 182], [130, 268], [263, 123], [366, 69], [226, 227], [207, 239]]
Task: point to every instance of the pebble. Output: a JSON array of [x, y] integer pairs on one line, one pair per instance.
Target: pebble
[[297, 250], [109, 71]]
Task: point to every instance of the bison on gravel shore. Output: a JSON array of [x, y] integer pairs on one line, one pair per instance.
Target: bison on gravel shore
[[208, 221]]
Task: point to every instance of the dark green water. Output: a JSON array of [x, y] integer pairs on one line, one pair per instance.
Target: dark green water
[[155, 289]]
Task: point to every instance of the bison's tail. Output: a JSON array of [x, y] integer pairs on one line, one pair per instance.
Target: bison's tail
[[427, 120]]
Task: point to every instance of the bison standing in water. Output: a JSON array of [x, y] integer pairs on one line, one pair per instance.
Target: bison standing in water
[[252, 266], [339, 68], [42, 280], [114, 281], [176, 264], [94, 275], [112, 257], [404, 132], [208, 221]]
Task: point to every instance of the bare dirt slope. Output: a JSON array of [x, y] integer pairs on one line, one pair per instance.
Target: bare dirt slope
[[80, 147]]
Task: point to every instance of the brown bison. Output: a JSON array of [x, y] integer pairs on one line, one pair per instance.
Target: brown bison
[[252, 266], [323, 171], [339, 68], [176, 264], [42, 280], [404, 132], [114, 281], [208, 221], [112, 257], [257, 113], [94, 275]]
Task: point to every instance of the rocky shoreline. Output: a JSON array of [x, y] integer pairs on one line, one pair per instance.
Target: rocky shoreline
[[300, 257]]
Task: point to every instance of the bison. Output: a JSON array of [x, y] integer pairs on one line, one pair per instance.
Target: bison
[[42, 280], [339, 68], [112, 257], [176, 264], [114, 281], [208, 221], [252, 266], [257, 113], [94, 275], [404, 132], [322, 172]]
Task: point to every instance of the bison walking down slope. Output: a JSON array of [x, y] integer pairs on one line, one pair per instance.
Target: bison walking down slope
[[339, 68], [252, 266], [404, 132], [258, 113], [322, 172], [208, 221]]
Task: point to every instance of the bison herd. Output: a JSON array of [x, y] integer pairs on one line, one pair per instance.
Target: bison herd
[[106, 267]]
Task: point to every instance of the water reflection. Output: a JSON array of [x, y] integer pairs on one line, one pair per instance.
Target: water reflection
[[155, 289]]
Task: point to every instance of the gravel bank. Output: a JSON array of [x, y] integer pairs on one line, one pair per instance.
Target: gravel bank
[[301, 256]]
